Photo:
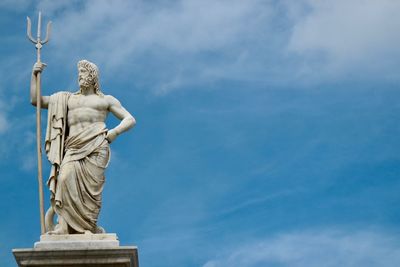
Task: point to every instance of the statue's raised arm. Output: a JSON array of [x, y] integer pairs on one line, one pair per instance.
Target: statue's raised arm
[[38, 67]]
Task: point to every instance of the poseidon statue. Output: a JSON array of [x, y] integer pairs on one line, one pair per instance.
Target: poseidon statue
[[77, 146]]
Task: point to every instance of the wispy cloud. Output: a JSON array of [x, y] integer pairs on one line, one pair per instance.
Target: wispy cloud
[[168, 45], [4, 121], [344, 38], [317, 248], [181, 42], [258, 200]]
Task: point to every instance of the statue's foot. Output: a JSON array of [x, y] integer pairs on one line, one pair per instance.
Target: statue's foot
[[58, 231], [99, 230]]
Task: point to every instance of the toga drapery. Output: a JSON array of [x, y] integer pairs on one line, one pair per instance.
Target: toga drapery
[[78, 163]]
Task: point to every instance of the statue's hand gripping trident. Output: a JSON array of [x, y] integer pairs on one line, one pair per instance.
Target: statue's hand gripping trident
[[39, 44]]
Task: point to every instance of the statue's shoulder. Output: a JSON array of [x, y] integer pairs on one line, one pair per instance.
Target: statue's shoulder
[[111, 99], [59, 97], [108, 97], [62, 94]]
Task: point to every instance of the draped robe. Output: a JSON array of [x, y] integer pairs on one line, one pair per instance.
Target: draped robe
[[78, 163]]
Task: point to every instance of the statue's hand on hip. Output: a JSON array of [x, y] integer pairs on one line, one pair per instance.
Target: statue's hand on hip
[[111, 135]]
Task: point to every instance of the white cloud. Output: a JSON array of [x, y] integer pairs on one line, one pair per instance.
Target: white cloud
[[27, 153], [4, 108], [182, 26], [315, 249], [165, 45], [3, 122], [19, 138], [259, 200], [29, 163], [346, 37]]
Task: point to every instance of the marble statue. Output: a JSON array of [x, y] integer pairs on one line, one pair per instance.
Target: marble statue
[[77, 146]]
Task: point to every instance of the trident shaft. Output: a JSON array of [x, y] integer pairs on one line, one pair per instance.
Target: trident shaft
[[39, 44]]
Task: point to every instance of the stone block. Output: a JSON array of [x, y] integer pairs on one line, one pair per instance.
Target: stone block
[[78, 250]]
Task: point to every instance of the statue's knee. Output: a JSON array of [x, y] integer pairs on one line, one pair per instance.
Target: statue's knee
[[62, 178], [65, 174]]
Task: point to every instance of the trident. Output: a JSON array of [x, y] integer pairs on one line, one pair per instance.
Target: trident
[[39, 44]]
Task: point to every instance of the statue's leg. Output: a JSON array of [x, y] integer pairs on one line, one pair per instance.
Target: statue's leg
[[65, 176]]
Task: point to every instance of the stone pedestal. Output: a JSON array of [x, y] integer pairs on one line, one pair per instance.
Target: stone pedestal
[[78, 250]]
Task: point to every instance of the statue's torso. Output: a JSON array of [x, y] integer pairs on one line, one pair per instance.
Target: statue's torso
[[84, 110]]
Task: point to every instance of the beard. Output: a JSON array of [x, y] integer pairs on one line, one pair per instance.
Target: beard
[[85, 83]]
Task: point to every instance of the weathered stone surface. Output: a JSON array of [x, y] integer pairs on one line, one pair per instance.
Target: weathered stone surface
[[78, 241], [86, 250], [90, 257]]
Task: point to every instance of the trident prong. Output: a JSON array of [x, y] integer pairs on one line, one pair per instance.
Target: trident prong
[[39, 43], [48, 29], [29, 32]]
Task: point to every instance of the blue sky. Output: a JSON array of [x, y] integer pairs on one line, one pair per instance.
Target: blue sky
[[267, 131]]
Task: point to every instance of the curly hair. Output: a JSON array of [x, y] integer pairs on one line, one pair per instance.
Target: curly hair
[[93, 74]]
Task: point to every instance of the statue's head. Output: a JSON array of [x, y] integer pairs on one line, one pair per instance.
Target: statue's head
[[88, 75]]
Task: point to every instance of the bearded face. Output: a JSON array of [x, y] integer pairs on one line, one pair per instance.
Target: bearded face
[[88, 76], [84, 78]]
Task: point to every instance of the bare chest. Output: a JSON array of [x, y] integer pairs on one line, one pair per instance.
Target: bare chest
[[92, 101], [86, 109]]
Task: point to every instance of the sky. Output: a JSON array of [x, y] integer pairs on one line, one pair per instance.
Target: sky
[[267, 131]]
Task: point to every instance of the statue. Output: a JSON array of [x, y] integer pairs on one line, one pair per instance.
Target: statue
[[77, 146]]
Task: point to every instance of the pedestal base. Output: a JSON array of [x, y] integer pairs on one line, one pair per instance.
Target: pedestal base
[[78, 250]]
